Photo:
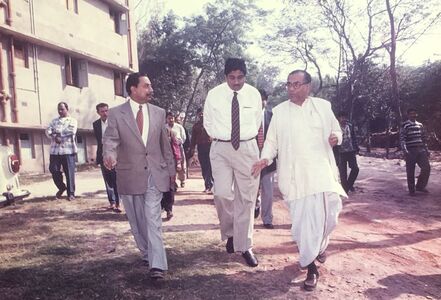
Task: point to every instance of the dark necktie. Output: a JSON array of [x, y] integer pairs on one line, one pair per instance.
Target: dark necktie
[[140, 119], [235, 122]]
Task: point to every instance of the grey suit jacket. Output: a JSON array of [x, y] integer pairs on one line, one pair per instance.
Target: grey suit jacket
[[134, 160]]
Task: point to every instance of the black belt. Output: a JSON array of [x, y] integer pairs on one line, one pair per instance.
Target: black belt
[[229, 141]]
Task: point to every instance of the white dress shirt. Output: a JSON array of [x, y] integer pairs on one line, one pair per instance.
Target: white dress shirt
[[103, 128], [217, 112], [179, 132], [135, 107]]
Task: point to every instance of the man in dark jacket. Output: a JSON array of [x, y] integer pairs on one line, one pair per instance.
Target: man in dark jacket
[[347, 153], [99, 126]]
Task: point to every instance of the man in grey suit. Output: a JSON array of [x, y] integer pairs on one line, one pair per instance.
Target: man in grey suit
[[136, 145]]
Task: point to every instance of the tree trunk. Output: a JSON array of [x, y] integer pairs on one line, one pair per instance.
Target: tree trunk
[[392, 69]]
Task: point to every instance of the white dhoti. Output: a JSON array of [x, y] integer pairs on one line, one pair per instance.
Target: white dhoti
[[313, 219]]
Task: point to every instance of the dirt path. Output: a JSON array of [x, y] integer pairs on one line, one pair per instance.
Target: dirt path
[[387, 246]]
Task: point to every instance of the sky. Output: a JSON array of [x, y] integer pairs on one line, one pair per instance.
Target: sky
[[427, 47]]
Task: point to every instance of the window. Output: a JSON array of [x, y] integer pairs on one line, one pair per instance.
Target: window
[[116, 18], [21, 54], [71, 69], [118, 80], [26, 146], [75, 71], [72, 5]]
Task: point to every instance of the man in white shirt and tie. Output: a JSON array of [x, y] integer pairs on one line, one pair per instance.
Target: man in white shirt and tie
[[232, 117], [136, 144]]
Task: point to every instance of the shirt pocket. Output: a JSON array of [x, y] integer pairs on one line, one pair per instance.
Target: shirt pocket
[[247, 115]]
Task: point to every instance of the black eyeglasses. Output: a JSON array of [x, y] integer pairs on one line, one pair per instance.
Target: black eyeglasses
[[295, 84]]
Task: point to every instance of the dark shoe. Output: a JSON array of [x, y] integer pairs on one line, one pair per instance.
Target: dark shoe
[[230, 246], [256, 212], [250, 258], [268, 226], [351, 189], [422, 190], [182, 184], [310, 282], [156, 273], [117, 210], [169, 215], [321, 258], [71, 198], [59, 193], [412, 193]]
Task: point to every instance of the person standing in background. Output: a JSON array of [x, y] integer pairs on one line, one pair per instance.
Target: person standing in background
[[201, 141], [264, 200], [414, 147], [109, 176], [62, 132], [347, 153]]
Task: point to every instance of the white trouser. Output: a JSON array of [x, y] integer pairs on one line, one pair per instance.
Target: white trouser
[[313, 219]]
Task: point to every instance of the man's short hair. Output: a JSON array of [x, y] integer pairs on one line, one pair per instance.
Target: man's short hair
[[168, 114], [133, 80], [101, 105], [263, 94], [234, 64], [342, 114], [306, 76], [199, 110], [64, 103], [410, 110]]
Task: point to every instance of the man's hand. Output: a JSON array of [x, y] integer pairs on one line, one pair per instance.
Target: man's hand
[[333, 140], [57, 139], [172, 180], [109, 162], [258, 167]]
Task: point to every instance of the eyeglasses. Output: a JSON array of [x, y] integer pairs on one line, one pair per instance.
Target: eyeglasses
[[296, 84]]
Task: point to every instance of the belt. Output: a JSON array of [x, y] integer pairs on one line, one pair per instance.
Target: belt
[[229, 141]]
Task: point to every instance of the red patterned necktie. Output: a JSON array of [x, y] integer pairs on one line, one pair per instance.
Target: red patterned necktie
[[260, 137], [140, 119], [235, 123]]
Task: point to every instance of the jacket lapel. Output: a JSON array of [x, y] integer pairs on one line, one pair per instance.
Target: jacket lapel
[[128, 117]]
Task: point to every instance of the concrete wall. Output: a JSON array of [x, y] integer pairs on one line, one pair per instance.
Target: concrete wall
[[51, 32]]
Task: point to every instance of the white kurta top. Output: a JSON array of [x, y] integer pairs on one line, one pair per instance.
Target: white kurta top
[[299, 136]]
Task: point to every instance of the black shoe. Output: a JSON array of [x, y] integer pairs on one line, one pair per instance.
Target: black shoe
[[71, 198], [422, 190], [256, 212], [169, 215], [156, 273], [311, 280], [250, 258], [321, 258], [268, 226], [351, 189], [230, 246], [59, 193], [412, 193]]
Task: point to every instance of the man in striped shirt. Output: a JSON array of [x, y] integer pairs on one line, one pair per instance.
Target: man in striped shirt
[[414, 147]]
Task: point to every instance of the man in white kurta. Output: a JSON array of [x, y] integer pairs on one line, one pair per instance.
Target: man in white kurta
[[302, 133]]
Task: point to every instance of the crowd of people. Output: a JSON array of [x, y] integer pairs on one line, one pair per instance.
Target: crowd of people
[[143, 152]]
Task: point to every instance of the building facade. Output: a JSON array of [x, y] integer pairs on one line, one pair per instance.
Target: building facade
[[77, 51]]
